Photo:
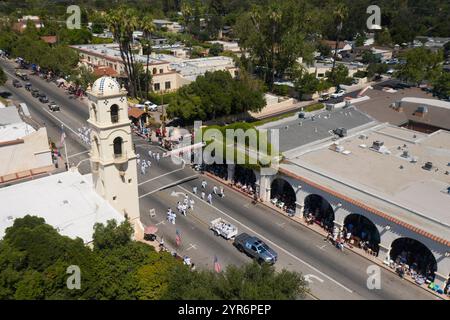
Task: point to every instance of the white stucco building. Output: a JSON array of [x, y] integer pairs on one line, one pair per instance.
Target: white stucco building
[[113, 159]]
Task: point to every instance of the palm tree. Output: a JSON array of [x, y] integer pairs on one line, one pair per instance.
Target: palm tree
[[148, 27], [122, 22], [340, 14]]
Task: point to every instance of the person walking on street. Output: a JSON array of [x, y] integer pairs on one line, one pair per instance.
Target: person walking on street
[[194, 190], [191, 204], [210, 198], [150, 153], [158, 157], [204, 184], [222, 194], [203, 195], [215, 189]]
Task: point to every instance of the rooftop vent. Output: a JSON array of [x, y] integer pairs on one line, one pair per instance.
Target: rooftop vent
[[341, 132], [428, 166], [377, 145]]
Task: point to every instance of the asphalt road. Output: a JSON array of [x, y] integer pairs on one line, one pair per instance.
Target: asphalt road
[[332, 274]]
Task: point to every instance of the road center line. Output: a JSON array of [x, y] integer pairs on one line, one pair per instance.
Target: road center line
[[172, 184], [160, 176], [269, 241]]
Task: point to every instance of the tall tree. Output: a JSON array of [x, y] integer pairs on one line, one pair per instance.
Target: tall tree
[[340, 14], [274, 36], [148, 28], [122, 23]]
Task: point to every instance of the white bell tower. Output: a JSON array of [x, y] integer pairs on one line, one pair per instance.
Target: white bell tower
[[113, 159]]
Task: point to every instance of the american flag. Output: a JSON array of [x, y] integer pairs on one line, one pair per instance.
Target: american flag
[[217, 266], [178, 238]]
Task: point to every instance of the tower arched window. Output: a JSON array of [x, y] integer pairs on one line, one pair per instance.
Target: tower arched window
[[114, 114], [117, 145], [154, 71]]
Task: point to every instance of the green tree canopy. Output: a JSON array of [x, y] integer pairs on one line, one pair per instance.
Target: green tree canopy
[[339, 76], [34, 259], [216, 94], [421, 64], [251, 282]]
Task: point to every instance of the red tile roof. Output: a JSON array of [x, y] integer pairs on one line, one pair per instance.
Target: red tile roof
[[49, 39], [105, 71], [135, 112]]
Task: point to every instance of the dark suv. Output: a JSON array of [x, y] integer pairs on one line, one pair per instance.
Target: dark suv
[[35, 93], [17, 84], [43, 98]]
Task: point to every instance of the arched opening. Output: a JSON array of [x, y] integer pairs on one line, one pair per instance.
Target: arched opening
[[117, 145], [154, 71], [413, 257], [320, 209], [114, 113], [219, 170], [245, 179], [363, 232], [282, 195]]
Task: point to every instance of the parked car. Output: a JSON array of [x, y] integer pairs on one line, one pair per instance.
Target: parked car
[[53, 106], [21, 75], [17, 84], [324, 97], [151, 106], [35, 93], [28, 86], [255, 248], [338, 94], [43, 98]]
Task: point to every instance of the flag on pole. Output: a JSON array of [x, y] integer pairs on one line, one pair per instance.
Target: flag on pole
[[217, 266], [178, 238]]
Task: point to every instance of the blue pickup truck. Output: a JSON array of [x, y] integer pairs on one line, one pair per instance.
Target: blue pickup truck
[[255, 248]]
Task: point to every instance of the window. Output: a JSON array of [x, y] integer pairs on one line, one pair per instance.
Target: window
[[129, 180], [154, 71], [167, 85], [117, 145], [161, 71], [114, 114], [157, 87]]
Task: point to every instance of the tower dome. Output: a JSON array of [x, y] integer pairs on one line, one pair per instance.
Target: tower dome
[[105, 86]]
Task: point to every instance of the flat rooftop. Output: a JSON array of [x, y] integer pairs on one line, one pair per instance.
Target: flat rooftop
[[379, 107], [112, 52], [393, 180], [67, 201], [295, 133], [191, 68]]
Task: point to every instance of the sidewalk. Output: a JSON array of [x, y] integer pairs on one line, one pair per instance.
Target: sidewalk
[[323, 233]]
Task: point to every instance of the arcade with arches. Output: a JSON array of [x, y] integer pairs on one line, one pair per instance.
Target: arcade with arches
[[320, 211], [283, 194]]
